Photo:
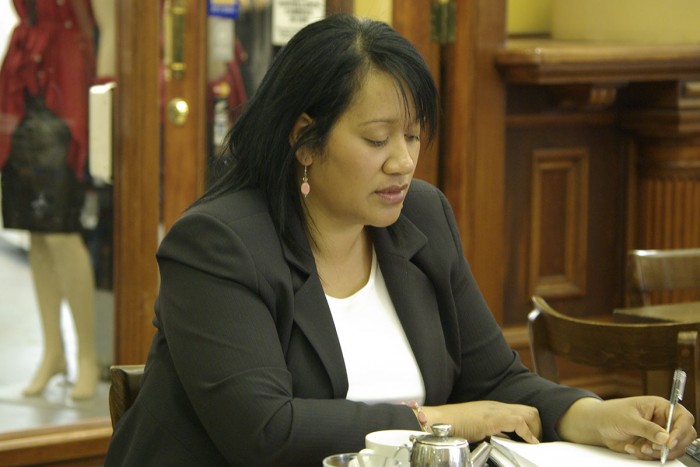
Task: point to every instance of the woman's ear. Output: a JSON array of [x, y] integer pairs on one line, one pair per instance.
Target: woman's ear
[[300, 126]]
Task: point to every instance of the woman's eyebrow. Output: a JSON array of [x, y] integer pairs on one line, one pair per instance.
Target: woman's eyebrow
[[379, 120], [391, 120]]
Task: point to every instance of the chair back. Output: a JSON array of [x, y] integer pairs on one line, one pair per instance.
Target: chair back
[[126, 381], [614, 346], [664, 270]]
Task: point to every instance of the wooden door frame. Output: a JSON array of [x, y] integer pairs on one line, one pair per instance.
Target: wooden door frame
[[184, 145], [136, 177]]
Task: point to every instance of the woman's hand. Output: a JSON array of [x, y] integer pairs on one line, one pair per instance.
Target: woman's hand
[[636, 425], [477, 420]]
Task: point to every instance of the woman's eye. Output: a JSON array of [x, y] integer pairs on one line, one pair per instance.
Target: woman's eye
[[377, 143], [413, 138]]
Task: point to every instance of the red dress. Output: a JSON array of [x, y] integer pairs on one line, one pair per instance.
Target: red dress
[[44, 87], [51, 55]]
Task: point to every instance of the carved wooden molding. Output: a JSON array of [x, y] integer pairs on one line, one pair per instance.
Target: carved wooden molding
[[596, 96], [670, 160], [662, 122], [546, 61], [559, 207]]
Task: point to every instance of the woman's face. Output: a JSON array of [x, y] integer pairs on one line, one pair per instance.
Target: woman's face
[[370, 155]]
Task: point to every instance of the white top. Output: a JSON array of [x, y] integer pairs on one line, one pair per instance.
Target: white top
[[378, 358]]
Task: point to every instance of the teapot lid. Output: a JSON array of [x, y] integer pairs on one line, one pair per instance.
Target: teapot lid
[[442, 437]]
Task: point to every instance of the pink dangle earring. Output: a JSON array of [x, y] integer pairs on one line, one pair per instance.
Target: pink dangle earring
[[305, 187]]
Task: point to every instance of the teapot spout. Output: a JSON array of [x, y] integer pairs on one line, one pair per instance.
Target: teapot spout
[[480, 455]]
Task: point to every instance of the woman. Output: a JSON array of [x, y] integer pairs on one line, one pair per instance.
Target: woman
[[316, 289]]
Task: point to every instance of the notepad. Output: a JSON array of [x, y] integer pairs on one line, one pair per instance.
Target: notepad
[[561, 453]]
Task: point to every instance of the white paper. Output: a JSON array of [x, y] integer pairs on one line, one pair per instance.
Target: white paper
[[560, 453]]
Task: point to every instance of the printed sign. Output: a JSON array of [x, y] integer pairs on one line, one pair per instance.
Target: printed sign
[[289, 16], [224, 8]]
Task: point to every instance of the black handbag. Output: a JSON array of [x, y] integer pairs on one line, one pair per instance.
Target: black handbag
[[40, 191]]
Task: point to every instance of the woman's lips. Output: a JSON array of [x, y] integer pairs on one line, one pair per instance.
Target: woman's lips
[[393, 194]]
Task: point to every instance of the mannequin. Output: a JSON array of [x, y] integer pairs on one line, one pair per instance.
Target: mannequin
[[61, 269], [44, 85]]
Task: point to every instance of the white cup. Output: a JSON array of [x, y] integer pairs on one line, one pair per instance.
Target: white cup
[[391, 443]]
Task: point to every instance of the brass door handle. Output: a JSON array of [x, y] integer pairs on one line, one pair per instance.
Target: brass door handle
[[178, 110], [174, 47]]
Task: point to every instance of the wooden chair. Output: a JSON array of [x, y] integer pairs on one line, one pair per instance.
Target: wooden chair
[[614, 346], [126, 381], [664, 270]]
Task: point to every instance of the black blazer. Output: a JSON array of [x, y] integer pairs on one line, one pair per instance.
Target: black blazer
[[246, 367]]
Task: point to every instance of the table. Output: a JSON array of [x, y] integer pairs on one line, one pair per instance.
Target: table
[[688, 312]]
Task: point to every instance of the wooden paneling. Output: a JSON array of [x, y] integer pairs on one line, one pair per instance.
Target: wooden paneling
[[472, 155], [634, 111], [340, 6], [559, 227], [564, 214], [136, 177], [669, 212], [665, 140], [74, 445]]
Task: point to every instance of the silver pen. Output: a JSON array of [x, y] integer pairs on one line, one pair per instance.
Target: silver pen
[[677, 389]]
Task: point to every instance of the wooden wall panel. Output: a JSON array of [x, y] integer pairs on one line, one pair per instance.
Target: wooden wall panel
[[564, 212], [558, 232], [669, 197], [668, 203], [665, 142]]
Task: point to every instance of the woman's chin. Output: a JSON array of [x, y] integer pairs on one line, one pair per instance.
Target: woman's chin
[[386, 220]]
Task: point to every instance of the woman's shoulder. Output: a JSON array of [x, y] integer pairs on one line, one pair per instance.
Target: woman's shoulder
[[243, 214], [231, 206], [214, 230]]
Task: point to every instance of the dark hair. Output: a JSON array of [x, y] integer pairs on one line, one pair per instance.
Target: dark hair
[[318, 72]]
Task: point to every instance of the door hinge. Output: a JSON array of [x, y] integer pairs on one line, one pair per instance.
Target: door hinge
[[443, 19]]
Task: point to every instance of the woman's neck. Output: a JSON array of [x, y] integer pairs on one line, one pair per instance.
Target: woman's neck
[[343, 260]]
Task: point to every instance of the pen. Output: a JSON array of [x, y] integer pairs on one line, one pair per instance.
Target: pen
[[677, 389]]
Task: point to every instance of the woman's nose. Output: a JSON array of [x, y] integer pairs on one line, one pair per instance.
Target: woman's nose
[[403, 158]]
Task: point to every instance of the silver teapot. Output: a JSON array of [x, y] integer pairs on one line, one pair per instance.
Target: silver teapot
[[441, 449]]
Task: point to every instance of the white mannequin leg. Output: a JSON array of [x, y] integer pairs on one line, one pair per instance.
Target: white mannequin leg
[[48, 296], [73, 274]]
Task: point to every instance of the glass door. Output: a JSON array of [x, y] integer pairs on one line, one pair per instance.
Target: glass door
[[56, 229]]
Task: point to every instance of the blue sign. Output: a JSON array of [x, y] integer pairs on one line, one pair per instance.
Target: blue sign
[[224, 8]]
